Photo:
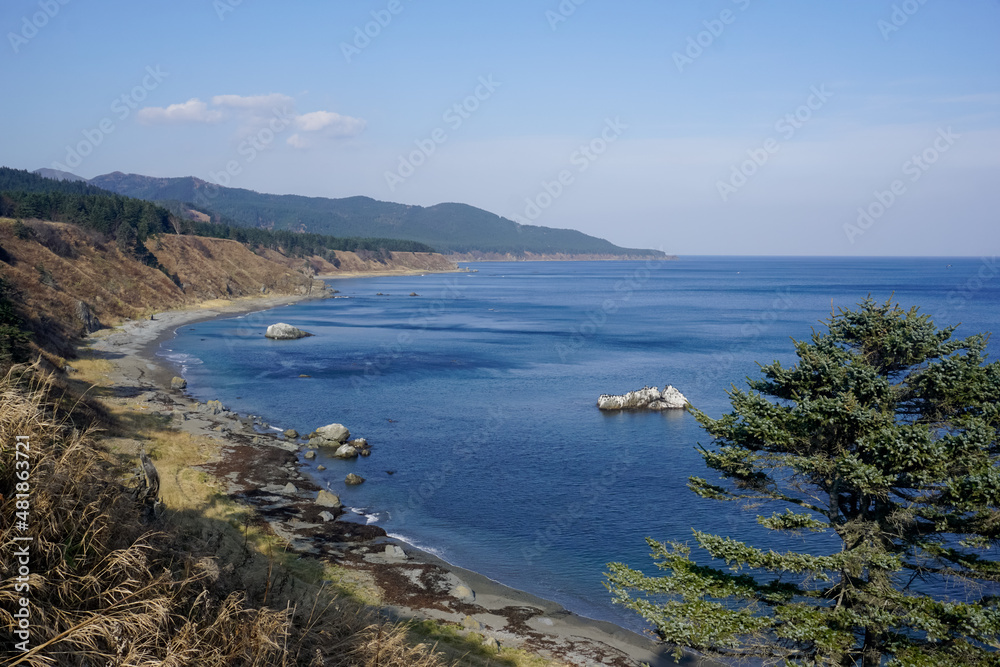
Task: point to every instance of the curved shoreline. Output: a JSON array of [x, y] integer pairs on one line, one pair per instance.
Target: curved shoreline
[[421, 586]]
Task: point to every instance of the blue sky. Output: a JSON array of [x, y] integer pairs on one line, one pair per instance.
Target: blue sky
[[713, 127]]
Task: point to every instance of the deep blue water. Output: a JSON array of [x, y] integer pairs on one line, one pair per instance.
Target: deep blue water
[[480, 395]]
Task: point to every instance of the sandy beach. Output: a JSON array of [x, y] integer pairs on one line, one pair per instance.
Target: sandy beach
[[260, 467]]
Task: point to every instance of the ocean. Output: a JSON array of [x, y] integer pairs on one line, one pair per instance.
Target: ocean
[[479, 394]]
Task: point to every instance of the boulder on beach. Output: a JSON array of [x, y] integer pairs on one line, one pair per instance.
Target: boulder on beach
[[282, 331], [178, 383], [394, 552], [326, 499], [463, 593], [647, 398], [213, 407], [353, 479], [291, 433]]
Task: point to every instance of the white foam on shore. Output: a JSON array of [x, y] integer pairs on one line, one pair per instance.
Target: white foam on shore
[[370, 516], [180, 359], [416, 545]]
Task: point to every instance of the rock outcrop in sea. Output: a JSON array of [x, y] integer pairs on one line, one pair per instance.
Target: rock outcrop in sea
[[647, 398], [338, 437], [331, 435], [282, 331]]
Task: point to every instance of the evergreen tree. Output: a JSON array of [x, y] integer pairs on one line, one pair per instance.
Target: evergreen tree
[[884, 435]]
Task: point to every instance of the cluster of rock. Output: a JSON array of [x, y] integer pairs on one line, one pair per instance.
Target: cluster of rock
[[337, 435], [647, 398], [282, 331]]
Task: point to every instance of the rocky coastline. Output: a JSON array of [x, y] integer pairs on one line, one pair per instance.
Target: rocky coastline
[[270, 471]]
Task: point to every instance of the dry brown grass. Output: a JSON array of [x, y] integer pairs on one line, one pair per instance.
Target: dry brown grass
[[107, 590]]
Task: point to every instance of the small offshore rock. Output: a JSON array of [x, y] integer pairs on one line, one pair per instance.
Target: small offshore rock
[[310, 454], [346, 452], [365, 452], [647, 398], [632, 400], [291, 433], [321, 468], [353, 479], [414, 294], [282, 331], [359, 443], [326, 499], [178, 383]]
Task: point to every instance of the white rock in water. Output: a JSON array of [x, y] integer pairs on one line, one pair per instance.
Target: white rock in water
[[346, 452], [673, 398], [282, 331], [630, 401], [649, 398]]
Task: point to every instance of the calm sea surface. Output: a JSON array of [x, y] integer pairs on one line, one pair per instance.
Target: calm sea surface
[[479, 394]]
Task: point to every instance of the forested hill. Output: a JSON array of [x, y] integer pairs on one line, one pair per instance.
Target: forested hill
[[457, 228], [131, 220]]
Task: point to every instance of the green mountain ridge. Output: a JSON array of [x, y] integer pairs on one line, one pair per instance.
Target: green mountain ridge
[[131, 220], [448, 227]]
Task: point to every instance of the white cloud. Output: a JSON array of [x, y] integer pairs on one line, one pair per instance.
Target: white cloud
[[252, 101], [255, 112], [192, 111], [333, 123]]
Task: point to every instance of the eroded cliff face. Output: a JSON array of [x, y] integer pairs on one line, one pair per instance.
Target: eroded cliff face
[[220, 269], [67, 281]]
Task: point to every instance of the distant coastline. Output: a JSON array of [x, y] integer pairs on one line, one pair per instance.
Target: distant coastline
[[555, 257]]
